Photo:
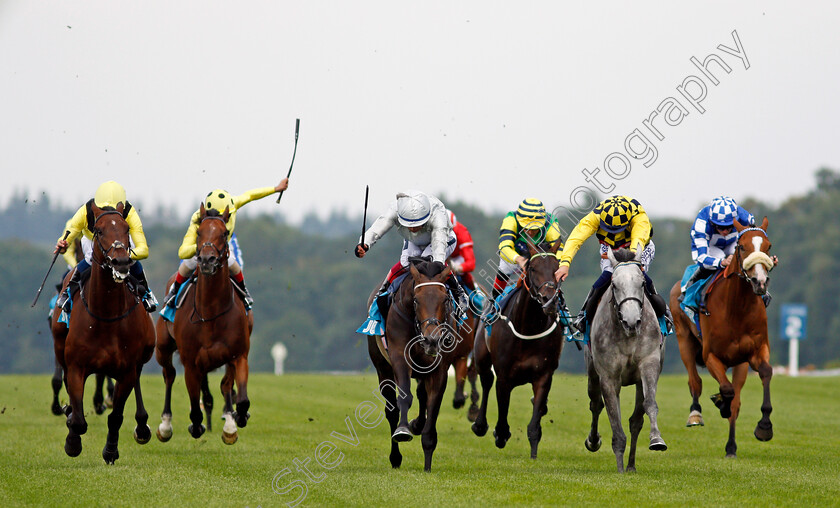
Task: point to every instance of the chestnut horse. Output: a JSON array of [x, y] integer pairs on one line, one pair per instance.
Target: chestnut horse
[[109, 333], [211, 329], [734, 333], [524, 347], [421, 343]]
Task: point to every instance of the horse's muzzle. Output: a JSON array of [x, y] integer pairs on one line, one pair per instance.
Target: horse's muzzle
[[119, 268], [208, 264]]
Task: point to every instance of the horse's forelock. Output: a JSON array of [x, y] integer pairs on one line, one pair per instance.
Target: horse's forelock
[[429, 268], [623, 255]]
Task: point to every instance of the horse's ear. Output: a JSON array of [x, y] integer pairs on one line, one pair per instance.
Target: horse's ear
[[738, 225], [121, 209], [95, 209], [764, 224], [611, 257], [444, 275], [226, 214], [415, 273], [639, 252], [532, 249], [556, 246], [202, 212]]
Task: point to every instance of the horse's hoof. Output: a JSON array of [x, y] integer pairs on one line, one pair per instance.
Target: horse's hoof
[[459, 402], [730, 456], [472, 413], [479, 430], [722, 403], [763, 433], [163, 436], [109, 454], [196, 431], [415, 427], [56, 409], [630, 469], [229, 439], [695, 419], [109, 402], [593, 447], [241, 418], [396, 460], [99, 408], [657, 444], [501, 440], [142, 434], [73, 446], [402, 435]]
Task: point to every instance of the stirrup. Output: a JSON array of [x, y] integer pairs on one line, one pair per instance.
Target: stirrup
[[580, 322], [63, 301], [169, 299], [150, 303], [766, 298]]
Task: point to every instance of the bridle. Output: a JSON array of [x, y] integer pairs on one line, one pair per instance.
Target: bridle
[[760, 256], [433, 321], [108, 261], [617, 304], [221, 254], [533, 292]]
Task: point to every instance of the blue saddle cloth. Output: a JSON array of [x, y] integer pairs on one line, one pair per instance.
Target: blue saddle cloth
[[691, 295], [375, 322], [168, 313]]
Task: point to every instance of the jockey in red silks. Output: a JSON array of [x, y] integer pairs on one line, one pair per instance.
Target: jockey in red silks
[[462, 258]]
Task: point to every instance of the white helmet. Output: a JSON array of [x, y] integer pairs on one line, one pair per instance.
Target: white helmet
[[413, 208]]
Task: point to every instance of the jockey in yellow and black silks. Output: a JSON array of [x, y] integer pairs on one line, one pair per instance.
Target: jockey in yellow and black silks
[[108, 196], [617, 222], [529, 224], [218, 200]]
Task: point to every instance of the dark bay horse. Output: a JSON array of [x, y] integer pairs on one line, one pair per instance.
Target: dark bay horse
[[421, 335], [211, 329], [734, 333], [626, 348], [524, 347], [109, 333]]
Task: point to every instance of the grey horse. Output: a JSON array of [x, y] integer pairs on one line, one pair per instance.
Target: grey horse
[[626, 348]]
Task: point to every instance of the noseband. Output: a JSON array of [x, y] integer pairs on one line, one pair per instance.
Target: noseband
[[758, 257]]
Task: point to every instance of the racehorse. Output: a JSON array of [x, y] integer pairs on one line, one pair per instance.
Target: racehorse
[[421, 335], [626, 348], [734, 333], [107, 334], [211, 329], [524, 347]]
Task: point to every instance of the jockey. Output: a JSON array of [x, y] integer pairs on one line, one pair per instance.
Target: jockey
[[423, 223], [713, 239], [529, 224], [462, 259], [219, 200], [617, 222], [108, 196]]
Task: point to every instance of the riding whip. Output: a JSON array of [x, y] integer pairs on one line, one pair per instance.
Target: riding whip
[[364, 220], [55, 256], [297, 130]]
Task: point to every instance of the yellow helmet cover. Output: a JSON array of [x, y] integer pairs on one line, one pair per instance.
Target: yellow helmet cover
[[109, 193], [219, 199]]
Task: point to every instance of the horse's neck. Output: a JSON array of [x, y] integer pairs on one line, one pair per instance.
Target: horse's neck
[[103, 293], [528, 312], [213, 291], [739, 295]]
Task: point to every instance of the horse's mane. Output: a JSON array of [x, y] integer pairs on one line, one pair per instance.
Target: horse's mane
[[623, 255]]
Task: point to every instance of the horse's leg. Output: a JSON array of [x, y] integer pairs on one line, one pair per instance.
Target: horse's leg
[[121, 392], [207, 402], [192, 378], [541, 388], [243, 404], [650, 379], [109, 392], [483, 365], [637, 419], [164, 349], [722, 400], [460, 366], [76, 424], [690, 347], [472, 413], [56, 387], [98, 398], [142, 432], [230, 432], [739, 377], [388, 390], [417, 425], [596, 404], [435, 387], [502, 430], [610, 390], [764, 429], [401, 373]]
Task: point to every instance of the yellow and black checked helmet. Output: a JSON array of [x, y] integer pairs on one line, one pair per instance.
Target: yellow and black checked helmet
[[531, 214], [615, 214], [218, 200]]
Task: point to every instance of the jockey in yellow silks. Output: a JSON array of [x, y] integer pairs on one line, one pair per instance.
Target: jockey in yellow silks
[[108, 196], [219, 200]]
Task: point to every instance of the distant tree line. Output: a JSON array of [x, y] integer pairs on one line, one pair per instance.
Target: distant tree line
[[311, 291]]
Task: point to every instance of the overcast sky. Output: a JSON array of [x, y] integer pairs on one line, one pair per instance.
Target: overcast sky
[[485, 101]]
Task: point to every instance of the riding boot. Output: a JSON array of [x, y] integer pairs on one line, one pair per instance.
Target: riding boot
[[459, 294], [243, 292], [169, 299], [580, 320], [65, 299], [150, 303], [383, 299]]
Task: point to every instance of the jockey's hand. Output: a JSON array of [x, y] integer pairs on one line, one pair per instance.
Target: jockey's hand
[[775, 260], [725, 262], [456, 267], [61, 247], [361, 249], [561, 273], [283, 185], [521, 261]]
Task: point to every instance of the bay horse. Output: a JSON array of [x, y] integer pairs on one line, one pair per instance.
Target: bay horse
[[107, 334], [211, 329], [626, 348], [734, 334], [524, 346], [421, 336]]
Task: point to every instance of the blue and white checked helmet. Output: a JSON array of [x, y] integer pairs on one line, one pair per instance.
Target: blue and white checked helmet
[[723, 211]]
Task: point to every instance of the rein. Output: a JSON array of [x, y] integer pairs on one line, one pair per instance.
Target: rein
[[100, 318], [221, 256], [105, 265], [534, 295]]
